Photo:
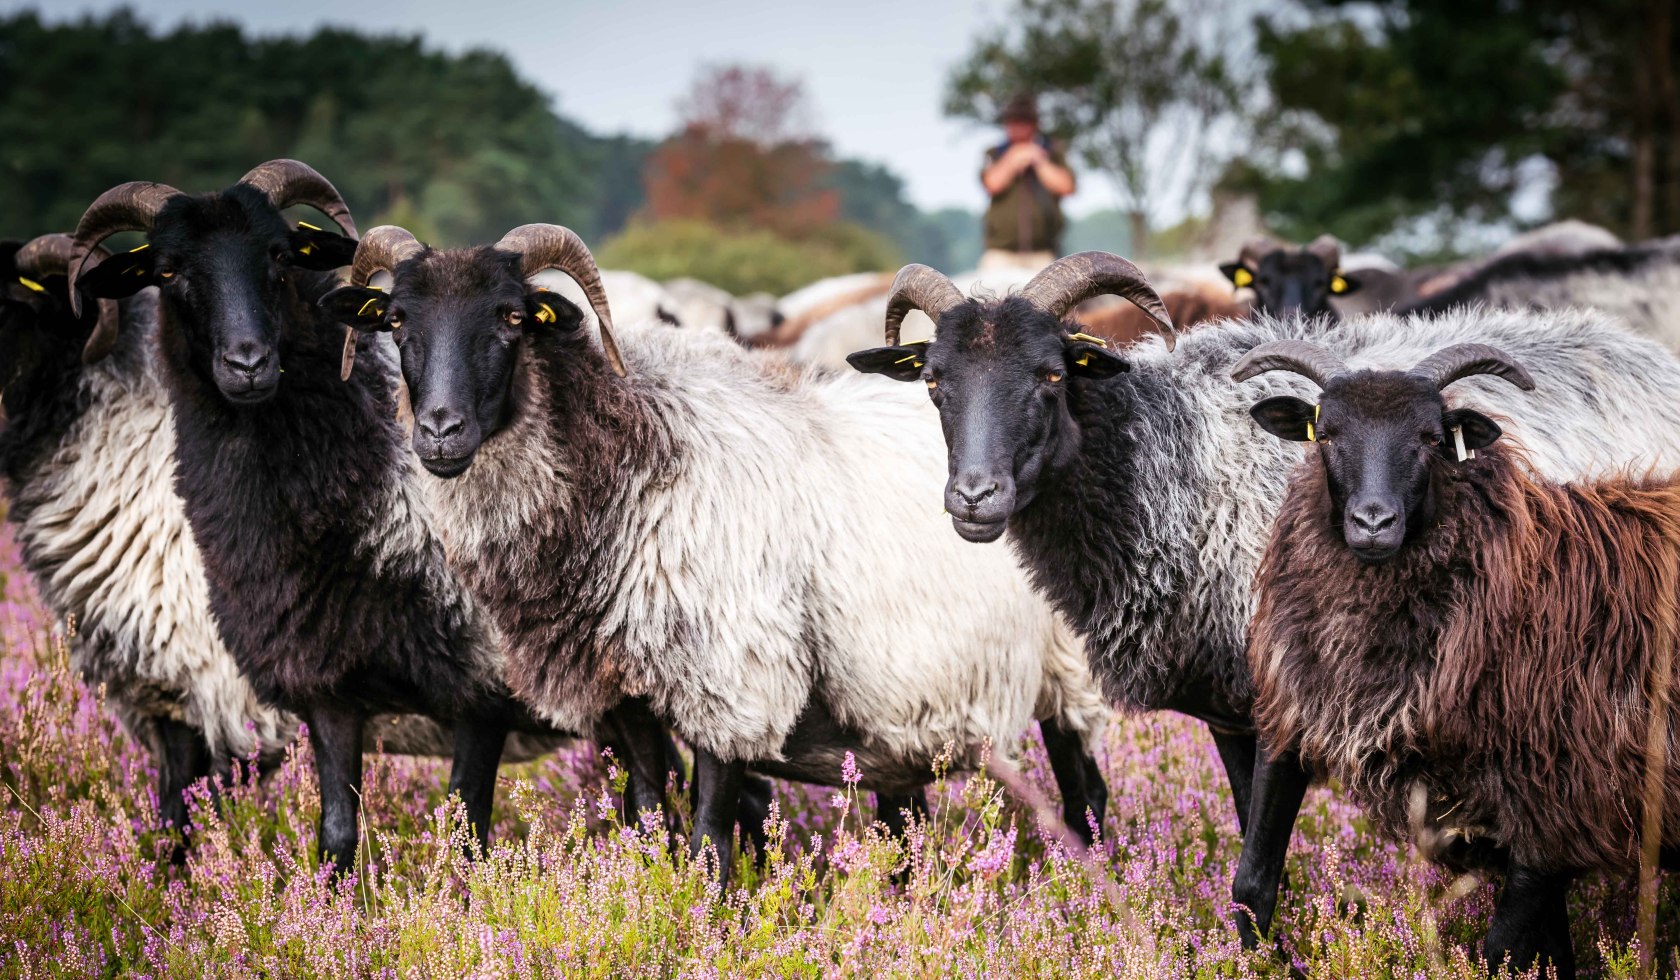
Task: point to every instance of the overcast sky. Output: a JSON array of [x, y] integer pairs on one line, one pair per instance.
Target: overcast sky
[[875, 69]]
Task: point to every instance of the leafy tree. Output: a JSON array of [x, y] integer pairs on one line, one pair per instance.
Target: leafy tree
[[1145, 90], [745, 260]]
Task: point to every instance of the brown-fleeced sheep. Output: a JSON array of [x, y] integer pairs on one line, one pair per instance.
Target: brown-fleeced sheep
[[1440, 627]]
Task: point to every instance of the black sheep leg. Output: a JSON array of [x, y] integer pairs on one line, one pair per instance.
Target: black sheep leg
[[1078, 778], [896, 810], [185, 759], [1531, 921], [335, 733], [754, 809], [472, 771], [1238, 752], [718, 788], [1279, 786], [641, 745]]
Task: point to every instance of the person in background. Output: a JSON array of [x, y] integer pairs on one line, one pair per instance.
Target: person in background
[[1027, 176]]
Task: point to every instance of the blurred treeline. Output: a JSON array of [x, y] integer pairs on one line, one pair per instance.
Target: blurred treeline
[[458, 148]]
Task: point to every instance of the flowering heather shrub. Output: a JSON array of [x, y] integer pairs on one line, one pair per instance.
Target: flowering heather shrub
[[980, 889]]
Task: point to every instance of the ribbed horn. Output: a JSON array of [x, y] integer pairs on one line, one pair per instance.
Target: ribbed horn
[[381, 250], [552, 247], [1328, 249], [1308, 360], [49, 255], [126, 207], [289, 182], [1253, 249], [918, 287], [1450, 364], [1067, 282]]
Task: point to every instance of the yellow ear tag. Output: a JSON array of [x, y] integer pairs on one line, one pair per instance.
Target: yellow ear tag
[[306, 226], [1242, 277], [32, 285], [139, 248], [1087, 338], [363, 311], [1338, 285], [1084, 361], [306, 250], [545, 313], [1312, 433], [911, 357]]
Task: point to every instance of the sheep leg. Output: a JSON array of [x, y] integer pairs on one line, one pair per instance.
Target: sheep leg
[[1084, 793], [184, 760], [718, 788], [1279, 786], [640, 742], [1531, 922], [335, 733], [472, 772], [754, 810], [896, 810], [1238, 751]]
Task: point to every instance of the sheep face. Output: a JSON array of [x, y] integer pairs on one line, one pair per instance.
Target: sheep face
[[1290, 281], [223, 263], [457, 317], [1000, 374], [1380, 436]]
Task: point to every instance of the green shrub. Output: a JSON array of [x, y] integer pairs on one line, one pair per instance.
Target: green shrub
[[745, 261]]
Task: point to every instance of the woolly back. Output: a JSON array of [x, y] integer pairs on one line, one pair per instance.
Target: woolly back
[[1500, 661]]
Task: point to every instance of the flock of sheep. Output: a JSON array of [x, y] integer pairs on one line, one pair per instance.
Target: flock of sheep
[[472, 502]]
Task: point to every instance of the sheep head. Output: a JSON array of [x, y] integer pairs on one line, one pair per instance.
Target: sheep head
[[1380, 434], [1003, 372], [1290, 281]]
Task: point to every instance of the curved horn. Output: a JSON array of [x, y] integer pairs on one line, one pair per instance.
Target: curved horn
[[553, 247], [1070, 281], [1252, 249], [1449, 364], [1328, 249], [380, 250], [289, 182], [1308, 360], [126, 207], [49, 255], [919, 287]]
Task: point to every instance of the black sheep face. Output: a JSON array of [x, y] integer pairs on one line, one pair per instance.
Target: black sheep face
[[224, 264], [999, 374], [1380, 436], [1290, 282], [457, 317], [40, 341]]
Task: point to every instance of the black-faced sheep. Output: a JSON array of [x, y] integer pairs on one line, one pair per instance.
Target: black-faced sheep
[[1466, 646]]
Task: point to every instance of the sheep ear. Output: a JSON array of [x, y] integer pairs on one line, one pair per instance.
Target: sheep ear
[[1480, 431], [1344, 283], [901, 363], [1287, 417], [548, 310], [320, 251], [358, 307], [1238, 273], [1094, 361], [119, 276]]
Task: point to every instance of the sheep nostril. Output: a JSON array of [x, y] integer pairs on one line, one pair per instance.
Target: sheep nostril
[[440, 425]]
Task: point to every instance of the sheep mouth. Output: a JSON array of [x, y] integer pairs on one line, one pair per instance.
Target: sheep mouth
[[447, 467], [251, 394], [1374, 554], [979, 532]]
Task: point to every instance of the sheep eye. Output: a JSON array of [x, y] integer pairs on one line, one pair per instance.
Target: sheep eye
[[514, 317], [932, 384], [394, 322], [166, 274], [1053, 377], [1432, 438]]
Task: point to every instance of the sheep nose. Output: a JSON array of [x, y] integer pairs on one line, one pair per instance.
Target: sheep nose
[[1373, 519], [974, 489], [246, 359], [439, 424]]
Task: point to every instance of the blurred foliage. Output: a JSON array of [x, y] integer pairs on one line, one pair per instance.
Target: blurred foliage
[[746, 260], [1142, 90], [1398, 112], [457, 144], [456, 147]]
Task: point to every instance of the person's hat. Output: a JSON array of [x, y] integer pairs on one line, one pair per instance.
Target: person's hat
[[1021, 107]]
